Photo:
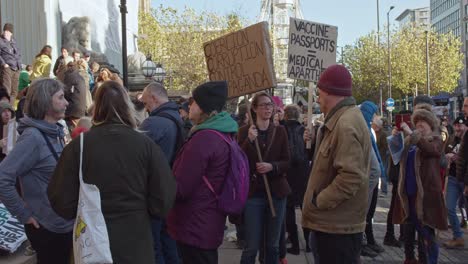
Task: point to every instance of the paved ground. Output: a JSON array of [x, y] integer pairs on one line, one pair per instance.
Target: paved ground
[[229, 254]]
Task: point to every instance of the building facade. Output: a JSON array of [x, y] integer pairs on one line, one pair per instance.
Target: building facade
[[92, 25], [450, 16], [418, 16], [445, 16]]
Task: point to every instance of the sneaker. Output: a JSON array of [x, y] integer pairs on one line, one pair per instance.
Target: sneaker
[[293, 250], [368, 252], [283, 261], [411, 261], [376, 247], [392, 242], [455, 243]]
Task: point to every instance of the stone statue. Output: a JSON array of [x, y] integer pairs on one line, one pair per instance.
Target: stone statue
[[134, 63], [76, 36]]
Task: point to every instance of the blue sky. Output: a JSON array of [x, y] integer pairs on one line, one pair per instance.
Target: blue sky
[[353, 18]]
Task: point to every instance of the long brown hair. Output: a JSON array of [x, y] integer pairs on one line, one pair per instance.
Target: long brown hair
[[113, 105], [46, 50]]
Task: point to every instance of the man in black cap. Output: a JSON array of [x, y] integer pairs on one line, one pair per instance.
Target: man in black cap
[[10, 62], [455, 184]]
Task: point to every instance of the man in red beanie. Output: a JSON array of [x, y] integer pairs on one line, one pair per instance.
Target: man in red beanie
[[335, 202]]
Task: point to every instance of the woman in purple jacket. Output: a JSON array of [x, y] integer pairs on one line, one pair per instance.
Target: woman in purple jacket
[[196, 222]]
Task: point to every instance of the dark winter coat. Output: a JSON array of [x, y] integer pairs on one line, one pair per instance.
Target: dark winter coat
[[75, 93], [275, 151], [60, 64], [10, 54], [134, 180], [297, 173], [382, 144], [462, 161], [162, 130], [430, 205]]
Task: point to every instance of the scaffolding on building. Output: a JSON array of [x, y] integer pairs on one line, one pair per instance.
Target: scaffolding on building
[[277, 14]]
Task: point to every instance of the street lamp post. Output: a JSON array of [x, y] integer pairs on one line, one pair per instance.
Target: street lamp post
[[389, 54], [427, 65], [148, 67], [389, 61], [153, 71], [160, 73], [123, 12], [378, 47]]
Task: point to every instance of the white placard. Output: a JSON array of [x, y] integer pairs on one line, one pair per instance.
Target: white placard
[[312, 48]]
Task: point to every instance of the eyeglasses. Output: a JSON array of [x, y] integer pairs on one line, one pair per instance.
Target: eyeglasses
[[265, 105]]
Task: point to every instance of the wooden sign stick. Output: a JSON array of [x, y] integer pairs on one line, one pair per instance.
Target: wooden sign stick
[[309, 112], [259, 154]]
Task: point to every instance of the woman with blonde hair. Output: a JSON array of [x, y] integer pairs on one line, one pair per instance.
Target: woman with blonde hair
[[130, 170]]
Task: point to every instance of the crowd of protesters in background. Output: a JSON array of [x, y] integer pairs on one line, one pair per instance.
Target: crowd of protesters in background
[[164, 167]]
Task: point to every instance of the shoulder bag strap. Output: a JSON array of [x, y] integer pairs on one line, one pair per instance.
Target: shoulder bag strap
[[179, 125], [205, 179], [52, 149], [81, 158]]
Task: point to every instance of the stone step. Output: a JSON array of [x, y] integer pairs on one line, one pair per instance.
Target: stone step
[[18, 257]]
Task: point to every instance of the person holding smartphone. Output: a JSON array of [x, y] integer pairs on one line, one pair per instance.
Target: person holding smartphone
[[420, 203]]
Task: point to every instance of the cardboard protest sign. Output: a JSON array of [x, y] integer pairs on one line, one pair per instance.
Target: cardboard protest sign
[[312, 48], [11, 135], [11, 231], [243, 59]]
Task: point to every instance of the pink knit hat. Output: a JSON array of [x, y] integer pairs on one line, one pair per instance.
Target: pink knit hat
[[278, 102]]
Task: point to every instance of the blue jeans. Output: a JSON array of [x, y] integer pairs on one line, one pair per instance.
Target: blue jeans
[[165, 248], [428, 248], [452, 195], [258, 221]]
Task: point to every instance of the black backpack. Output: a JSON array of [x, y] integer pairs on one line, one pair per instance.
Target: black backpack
[[181, 134], [296, 143]]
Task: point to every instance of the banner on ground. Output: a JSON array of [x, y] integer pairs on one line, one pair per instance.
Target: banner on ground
[[243, 59], [312, 48], [11, 231]]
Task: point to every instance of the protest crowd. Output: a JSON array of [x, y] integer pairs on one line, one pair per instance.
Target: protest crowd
[[150, 180]]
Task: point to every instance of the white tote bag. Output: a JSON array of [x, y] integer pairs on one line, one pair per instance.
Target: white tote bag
[[90, 238]]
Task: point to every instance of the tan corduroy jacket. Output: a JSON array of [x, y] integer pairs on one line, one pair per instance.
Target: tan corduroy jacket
[[336, 197]]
